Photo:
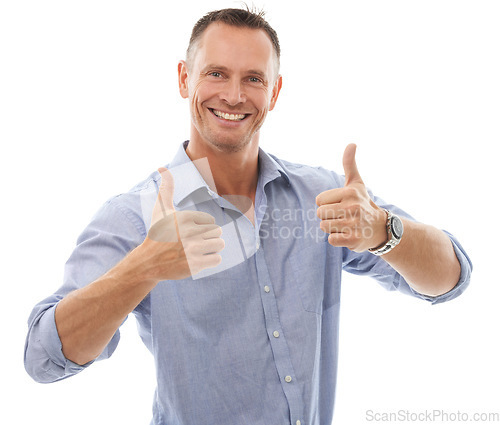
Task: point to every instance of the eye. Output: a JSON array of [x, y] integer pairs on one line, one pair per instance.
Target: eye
[[254, 80], [215, 74]]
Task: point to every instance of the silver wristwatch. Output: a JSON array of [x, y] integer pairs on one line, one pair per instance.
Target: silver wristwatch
[[394, 234]]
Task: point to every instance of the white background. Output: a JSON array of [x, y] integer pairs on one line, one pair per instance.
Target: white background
[[89, 106]]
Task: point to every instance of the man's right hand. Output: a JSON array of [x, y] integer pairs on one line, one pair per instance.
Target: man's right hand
[[180, 244]]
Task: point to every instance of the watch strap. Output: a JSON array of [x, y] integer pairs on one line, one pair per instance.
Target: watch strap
[[391, 242]]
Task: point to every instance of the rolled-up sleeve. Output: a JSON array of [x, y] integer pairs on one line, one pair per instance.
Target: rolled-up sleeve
[[113, 232], [44, 360], [399, 283]]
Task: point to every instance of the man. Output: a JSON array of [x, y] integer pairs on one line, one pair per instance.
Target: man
[[234, 283]]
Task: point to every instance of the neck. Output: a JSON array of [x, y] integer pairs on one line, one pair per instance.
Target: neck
[[235, 174]]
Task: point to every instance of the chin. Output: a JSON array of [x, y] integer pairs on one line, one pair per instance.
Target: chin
[[229, 146]]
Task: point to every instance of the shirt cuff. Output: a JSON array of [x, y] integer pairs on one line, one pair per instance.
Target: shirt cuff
[[463, 282], [51, 343]]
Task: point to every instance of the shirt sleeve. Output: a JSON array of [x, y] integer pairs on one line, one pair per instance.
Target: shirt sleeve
[[113, 232], [368, 264]]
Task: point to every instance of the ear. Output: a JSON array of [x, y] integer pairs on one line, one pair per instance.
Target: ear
[[182, 72], [276, 92]]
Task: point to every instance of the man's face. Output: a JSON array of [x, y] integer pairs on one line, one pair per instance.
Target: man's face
[[231, 84]]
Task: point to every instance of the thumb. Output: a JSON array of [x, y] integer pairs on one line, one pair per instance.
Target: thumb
[[350, 168], [163, 211], [165, 200]]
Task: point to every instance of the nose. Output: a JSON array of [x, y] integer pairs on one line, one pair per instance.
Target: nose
[[233, 93]]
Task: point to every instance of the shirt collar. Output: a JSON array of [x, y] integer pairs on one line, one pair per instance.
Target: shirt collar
[[188, 179], [270, 169]]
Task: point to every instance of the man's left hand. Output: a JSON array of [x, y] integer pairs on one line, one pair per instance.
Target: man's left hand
[[348, 214]]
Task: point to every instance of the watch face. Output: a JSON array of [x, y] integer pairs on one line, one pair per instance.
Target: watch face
[[397, 227]]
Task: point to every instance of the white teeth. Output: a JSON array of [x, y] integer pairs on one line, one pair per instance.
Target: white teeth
[[229, 117]]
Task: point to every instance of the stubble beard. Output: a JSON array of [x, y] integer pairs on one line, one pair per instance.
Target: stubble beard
[[224, 144], [229, 146]]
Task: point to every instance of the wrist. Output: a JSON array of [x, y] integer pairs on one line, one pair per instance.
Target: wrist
[[394, 230], [380, 233]]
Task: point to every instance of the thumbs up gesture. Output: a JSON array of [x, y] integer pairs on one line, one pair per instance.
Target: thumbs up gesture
[[348, 214], [180, 243]]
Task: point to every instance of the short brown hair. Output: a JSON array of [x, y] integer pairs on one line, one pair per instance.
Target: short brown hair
[[241, 18]]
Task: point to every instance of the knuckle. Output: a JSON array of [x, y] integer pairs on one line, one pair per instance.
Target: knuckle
[[353, 209], [219, 245], [203, 216], [330, 226], [182, 217], [352, 222], [349, 238], [215, 260], [333, 240], [351, 192], [320, 199]]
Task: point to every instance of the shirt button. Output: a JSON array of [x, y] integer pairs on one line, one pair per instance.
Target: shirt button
[[257, 245], [288, 378], [297, 423], [276, 334], [267, 289]]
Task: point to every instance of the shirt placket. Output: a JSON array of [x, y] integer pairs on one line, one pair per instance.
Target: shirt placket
[[277, 338]]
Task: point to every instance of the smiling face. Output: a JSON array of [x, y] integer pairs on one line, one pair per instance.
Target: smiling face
[[231, 84]]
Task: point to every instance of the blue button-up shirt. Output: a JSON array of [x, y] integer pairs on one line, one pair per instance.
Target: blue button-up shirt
[[253, 341]]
